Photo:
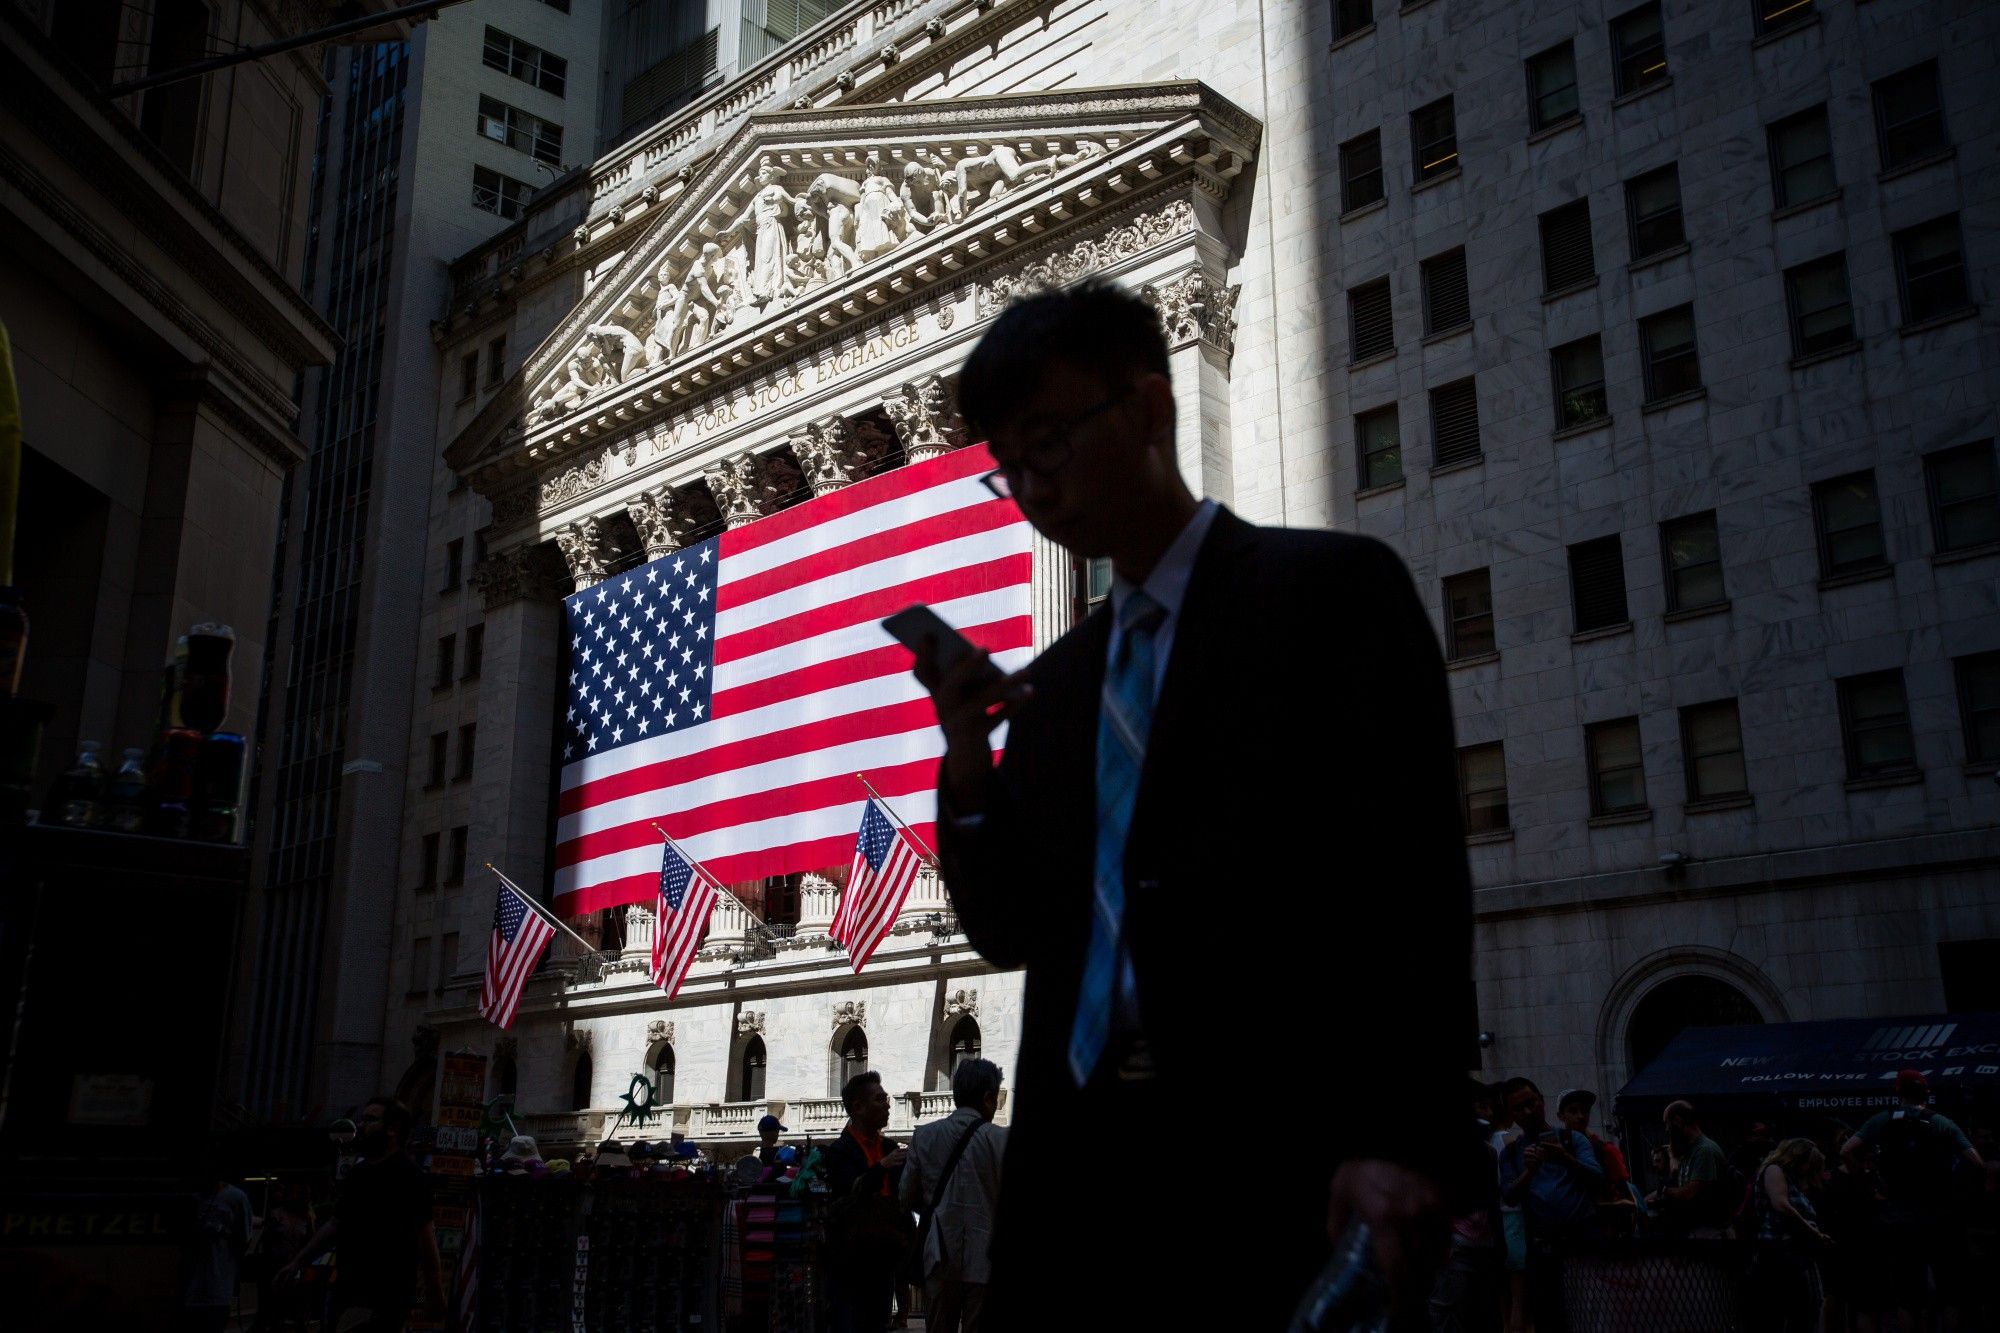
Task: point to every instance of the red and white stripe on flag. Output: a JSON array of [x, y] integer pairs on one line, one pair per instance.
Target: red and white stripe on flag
[[886, 861], [519, 936], [687, 896], [731, 691]]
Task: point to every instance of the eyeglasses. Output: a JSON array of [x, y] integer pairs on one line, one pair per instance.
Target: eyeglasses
[[1046, 453]]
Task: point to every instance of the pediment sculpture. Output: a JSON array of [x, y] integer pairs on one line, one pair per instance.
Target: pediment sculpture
[[802, 229]]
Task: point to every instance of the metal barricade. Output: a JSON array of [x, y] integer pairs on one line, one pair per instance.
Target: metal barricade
[[1654, 1286]]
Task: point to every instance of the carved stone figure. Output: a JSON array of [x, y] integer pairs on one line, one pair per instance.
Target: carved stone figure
[[584, 550], [808, 262], [879, 225], [705, 296], [835, 198], [619, 346], [1001, 169], [769, 219], [666, 317], [924, 202], [586, 373]]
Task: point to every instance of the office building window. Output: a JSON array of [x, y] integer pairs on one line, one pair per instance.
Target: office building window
[[1371, 325], [454, 564], [475, 651], [1361, 171], [455, 862], [420, 965], [1578, 371], [447, 960], [1468, 614], [427, 868], [1692, 552], [1875, 722], [1965, 496], [495, 193], [447, 659], [1597, 583], [1617, 771], [1930, 267], [1909, 116], [1351, 16], [1848, 514], [1778, 15], [1482, 788], [1434, 134], [1816, 296], [1567, 257], [1447, 301], [1712, 745], [439, 741], [496, 360], [1552, 87], [1380, 445], [1979, 705], [468, 376], [1639, 45], [1666, 340], [540, 139], [1092, 582], [1454, 423], [467, 738], [528, 63], [1653, 205], [1801, 149]]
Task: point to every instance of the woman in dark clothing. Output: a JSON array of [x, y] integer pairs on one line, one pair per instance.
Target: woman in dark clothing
[[1783, 1292], [1855, 1286]]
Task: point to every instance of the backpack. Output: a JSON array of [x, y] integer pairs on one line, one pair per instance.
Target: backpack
[[1913, 1160]]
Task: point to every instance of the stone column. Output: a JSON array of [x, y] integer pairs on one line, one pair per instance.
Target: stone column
[[925, 422], [817, 900], [744, 488], [585, 549], [1198, 316], [522, 590], [663, 520], [1051, 591], [829, 453]]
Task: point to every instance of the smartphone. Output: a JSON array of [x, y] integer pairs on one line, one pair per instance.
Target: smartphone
[[915, 626]]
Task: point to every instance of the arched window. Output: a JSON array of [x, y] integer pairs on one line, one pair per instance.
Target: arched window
[[505, 1076], [663, 1072], [579, 1084], [1691, 1001], [852, 1057], [964, 1042], [750, 1087]]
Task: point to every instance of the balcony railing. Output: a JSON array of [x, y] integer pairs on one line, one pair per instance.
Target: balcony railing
[[736, 1122]]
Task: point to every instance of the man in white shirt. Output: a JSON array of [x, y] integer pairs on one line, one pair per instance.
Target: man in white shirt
[[955, 1163]]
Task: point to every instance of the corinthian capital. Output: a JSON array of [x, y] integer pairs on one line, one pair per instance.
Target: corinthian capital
[[516, 574], [663, 519], [585, 550], [830, 454], [743, 487], [924, 418]]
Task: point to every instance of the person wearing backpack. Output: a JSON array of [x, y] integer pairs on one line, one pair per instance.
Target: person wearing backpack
[[952, 1182], [1707, 1192], [1915, 1152]]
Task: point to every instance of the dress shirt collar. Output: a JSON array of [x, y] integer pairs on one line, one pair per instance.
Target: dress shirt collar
[[1168, 583]]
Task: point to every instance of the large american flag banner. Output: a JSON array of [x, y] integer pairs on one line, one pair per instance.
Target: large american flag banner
[[686, 898], [886, 862], [734, 689], [519, 936]]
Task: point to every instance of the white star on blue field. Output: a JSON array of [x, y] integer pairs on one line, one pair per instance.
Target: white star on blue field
[[641, 653]]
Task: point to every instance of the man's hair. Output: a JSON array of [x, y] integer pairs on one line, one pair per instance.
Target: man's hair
[[1094, 326], [972, 1080], [852, 1091], [1684, 1109], [395, 1115], [1515, 1084]]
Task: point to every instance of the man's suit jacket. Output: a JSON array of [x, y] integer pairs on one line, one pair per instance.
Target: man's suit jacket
[[1298, 914], [962, 1234]]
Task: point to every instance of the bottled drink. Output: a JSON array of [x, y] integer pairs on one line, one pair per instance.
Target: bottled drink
[[13, 641], [1350, 1294], [218, 786], [172, 782], [205, 683], [74, 802], [171, 676], [125, 796]]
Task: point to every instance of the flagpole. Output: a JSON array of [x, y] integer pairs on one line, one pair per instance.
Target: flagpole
[[536, 908], [929, 855], [720, 887]]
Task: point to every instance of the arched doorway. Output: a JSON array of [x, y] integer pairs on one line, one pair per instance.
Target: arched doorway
[[505, 1075], [965, 1041], [850, 1056], [1691, 1000], [579, 1083], [750, 1071], [661, 1062]]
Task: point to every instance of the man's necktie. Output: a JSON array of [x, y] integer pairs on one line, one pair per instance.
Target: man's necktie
[[1125, 717]]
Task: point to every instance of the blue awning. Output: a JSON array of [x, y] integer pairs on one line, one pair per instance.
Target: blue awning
[[1835, 1065]]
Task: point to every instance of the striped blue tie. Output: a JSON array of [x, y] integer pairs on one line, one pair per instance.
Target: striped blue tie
[[1125, 717]]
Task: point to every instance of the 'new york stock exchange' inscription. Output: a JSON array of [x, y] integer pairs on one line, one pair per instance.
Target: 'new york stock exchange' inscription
[[799, 381]]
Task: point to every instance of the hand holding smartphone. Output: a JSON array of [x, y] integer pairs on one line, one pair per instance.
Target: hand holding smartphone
[[925, 633]]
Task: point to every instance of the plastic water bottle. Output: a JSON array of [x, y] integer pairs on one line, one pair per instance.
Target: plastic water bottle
[[1350, 1295]]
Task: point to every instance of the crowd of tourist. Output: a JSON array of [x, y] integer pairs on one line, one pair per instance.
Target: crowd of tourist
[[1835, 1227]]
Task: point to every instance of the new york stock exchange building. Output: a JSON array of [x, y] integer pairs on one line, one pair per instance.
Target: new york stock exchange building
[[762, 303]]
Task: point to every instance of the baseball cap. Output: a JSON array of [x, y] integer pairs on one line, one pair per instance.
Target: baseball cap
[[1583, 1095], [771, 1122], [1912, 1080]]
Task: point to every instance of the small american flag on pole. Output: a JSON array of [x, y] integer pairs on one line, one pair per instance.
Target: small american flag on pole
[[519, 936], [687, 896], [886, 862]]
